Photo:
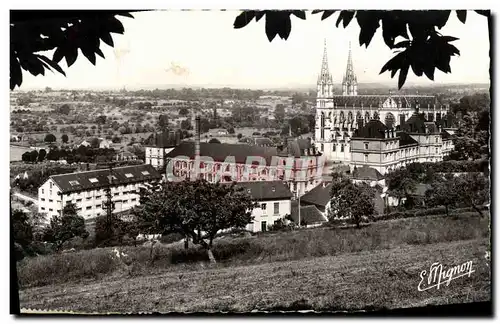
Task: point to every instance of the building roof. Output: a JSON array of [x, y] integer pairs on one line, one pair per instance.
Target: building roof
[[373, 129], [309, 214], [405, 139], [403, 101], [266, 190], [366, 173], [414, 124], [319, 195], [264, 141], [219, 152], [100, 178], [297, 148]]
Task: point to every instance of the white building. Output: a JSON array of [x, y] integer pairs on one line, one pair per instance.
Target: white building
[[274, 201], [87, 190], [158, 146], [339, 115]]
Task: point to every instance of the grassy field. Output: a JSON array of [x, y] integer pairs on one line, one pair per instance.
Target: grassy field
[[374, 267]]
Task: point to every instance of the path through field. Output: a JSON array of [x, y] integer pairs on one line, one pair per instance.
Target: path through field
[[383, 278]]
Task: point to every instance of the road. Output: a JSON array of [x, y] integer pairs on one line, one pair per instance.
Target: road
[[27, 198]]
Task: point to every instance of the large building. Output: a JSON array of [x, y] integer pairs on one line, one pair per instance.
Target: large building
[[87, 190], [296, 162], [385, 149], [339, 115]]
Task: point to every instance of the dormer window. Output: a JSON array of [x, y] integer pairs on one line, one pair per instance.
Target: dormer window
[[129, 175], [93, 180], [73, 183], [145, 172]]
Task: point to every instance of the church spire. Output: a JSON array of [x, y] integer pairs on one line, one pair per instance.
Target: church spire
[[350, 82], [325, 82]]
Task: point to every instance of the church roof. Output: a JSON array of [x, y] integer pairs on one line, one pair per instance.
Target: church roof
[[405, 139]]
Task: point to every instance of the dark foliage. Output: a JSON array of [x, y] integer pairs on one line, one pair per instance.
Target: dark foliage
[[65, 31], [423, 49]]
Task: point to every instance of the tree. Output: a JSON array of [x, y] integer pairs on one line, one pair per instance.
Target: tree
[[402, 183], [424, 48], [239, 136], [183, 111], [94, 142], [64, 32], [230, 130], [349, 200], [279, 113], [64, 109], [33, 156], [41, 155], [442, 193], [214, 140], [116, 139], [63, 228], [101, 119], [22, 230], [64, 138], [186, 125], [163, 122], [473, 189], [26, 157], [50, 138], [196, 209]]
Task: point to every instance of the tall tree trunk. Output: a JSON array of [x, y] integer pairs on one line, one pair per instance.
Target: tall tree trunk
[[446, 208], [186, 242]]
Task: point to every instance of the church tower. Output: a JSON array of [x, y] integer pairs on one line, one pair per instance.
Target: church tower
[[325, 82], [350, 82]]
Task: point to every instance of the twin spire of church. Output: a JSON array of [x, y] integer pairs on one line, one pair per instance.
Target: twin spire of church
[[325, 80], [349, 82]]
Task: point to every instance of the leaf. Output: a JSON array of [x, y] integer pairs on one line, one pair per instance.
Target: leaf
[[113, 25], [16, 75], [316, 11], [485, 13], [271, 28], [394, 63], [243, 19], [345, 16], [99, 52], [52, 64], [299, 14], [286, 26], [462, 15], [106, 38], [449, 38], [429, 70], [368, 23], [71, 55], [125, 14], [259, 14], [58, 55], [402, 76], [327, 13]]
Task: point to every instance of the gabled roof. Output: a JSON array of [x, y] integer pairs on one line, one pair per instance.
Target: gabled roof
[[319, 195], [219, 152], [373, 129], [100, 178], [414, 124], [309, 214], [266, 190], [405, 139], [366, 173], [358, 101]]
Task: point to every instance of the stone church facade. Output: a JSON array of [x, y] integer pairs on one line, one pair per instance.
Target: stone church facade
[[338, 116]]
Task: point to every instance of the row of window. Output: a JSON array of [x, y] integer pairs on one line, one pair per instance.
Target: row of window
[[96, 206], [276, 207]]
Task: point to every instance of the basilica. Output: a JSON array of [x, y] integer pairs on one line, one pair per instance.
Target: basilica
[[352, 129]]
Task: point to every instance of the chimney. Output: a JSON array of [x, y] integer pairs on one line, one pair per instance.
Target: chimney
[[360, 123], [197, 146], [402, 119], [177, 138]]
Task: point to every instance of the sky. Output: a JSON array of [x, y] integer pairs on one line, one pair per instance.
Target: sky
[[166, 49]]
